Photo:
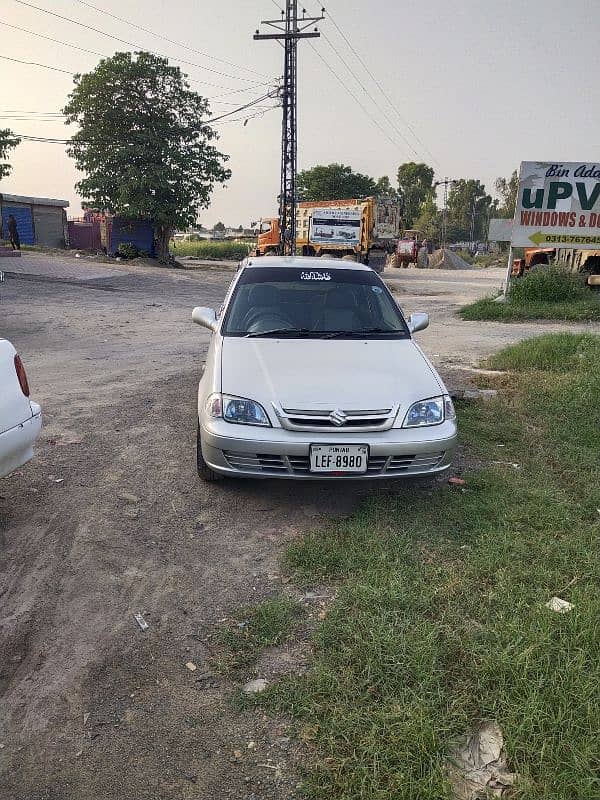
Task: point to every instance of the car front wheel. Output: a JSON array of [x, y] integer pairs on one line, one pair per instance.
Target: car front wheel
[[204, 471]]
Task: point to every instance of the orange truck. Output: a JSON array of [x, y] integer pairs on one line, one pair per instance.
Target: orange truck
[[583, 262], [533, 257], [338, 228]]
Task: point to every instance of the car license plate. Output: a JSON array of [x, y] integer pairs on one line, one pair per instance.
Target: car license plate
[[339, 458]]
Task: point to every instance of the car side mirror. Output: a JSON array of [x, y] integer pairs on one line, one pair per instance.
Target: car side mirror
[[418, 322], [205, 317]]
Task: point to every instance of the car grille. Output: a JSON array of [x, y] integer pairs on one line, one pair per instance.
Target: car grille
[[310, 420], [266, 464]]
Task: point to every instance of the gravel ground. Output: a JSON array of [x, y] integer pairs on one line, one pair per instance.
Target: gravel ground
[[109, 520]]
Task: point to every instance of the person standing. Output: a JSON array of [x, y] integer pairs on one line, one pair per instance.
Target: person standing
[[13, 233]]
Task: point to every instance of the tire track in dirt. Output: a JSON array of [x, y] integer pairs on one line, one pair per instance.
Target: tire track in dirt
[[91, 692]]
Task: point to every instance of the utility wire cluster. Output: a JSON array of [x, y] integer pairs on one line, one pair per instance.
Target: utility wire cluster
[[375, 102]]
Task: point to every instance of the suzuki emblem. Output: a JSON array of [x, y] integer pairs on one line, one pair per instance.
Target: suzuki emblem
[[338, 417]]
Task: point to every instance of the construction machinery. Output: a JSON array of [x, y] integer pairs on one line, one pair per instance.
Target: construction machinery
[[407, 249], [348, 229]]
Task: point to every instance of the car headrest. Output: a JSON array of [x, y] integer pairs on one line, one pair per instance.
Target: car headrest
[[264, 295], [340, 297]]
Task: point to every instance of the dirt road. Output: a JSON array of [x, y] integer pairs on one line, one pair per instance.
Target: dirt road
[[109, 520]]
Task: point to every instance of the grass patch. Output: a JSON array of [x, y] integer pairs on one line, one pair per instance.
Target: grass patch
[[440, 618], [556, 352], [226, 251], [257, 627], [488, 309], [545, 294]]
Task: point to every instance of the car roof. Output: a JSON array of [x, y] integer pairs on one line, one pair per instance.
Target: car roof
[[303, 262]]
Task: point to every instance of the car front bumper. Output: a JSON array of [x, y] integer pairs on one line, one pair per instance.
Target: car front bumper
[[243, 451]]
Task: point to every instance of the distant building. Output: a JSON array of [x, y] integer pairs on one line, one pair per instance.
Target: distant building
[[40, 220]]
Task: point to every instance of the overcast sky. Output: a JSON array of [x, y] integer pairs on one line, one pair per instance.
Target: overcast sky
[[482, 85]]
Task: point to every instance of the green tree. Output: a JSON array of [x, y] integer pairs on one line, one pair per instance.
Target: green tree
[[219, 227], [384, 187], [508, 190], [415, 186], [429, 221], [143, 143], [468, 205], [333, 182], [8, 141]]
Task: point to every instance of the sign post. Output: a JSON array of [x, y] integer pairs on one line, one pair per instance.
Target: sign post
[[500, 230]]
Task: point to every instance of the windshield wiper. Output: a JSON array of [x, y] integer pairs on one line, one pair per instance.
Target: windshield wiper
[[279, 332], [361, 333]]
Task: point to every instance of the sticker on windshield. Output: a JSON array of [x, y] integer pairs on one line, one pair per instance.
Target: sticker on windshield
[[315, 276], [377, 289]]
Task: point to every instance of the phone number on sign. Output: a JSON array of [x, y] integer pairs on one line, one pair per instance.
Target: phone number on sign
[[550, 238]]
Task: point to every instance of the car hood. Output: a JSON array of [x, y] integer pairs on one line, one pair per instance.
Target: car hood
[[327, 374]]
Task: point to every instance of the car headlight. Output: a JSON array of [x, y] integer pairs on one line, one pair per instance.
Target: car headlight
[[238, 410], [429, 412]]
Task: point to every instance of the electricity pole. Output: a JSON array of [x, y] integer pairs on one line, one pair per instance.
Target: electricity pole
[[289, 29], [445, 183]]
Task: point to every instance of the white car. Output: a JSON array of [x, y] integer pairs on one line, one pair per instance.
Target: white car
[[20, 417], [313, 372]]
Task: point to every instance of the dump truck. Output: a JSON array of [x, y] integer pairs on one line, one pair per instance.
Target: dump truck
[[338, 228]]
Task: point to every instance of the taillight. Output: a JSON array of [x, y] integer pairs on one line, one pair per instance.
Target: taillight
[[21, 375]]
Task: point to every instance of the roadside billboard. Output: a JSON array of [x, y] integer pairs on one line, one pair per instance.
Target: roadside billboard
[[335, 226], [558, 205]]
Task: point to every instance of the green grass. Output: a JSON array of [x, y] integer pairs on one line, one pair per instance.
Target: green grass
[[488, 309], [440, 621], [254, 629], [545, 294], [555, 352], [227, 251]]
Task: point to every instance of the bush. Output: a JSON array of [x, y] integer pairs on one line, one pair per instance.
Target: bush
[[229, 251], [127, 250], [548, 286]]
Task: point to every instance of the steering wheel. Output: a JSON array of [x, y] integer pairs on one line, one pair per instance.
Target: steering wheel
[[268, 320]]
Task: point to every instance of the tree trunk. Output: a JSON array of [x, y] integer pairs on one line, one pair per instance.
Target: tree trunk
[[163, 237]]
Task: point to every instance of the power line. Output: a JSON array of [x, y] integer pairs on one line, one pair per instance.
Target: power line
[[166, 39], [354, 97], [24, 111], [209, 122], [26, 138], [369, 95], [130, 44], [50, 39], [380, 87], [192, 80], [36, 64], [242, 108], [16, 118], [252, 116]]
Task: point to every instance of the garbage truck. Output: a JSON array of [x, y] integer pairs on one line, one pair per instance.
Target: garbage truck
[[348, 229]]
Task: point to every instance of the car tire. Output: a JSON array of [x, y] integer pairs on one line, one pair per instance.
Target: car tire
[[204, 471]]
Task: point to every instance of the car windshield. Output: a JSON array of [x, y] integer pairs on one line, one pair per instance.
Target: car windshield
[[312, 303]]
